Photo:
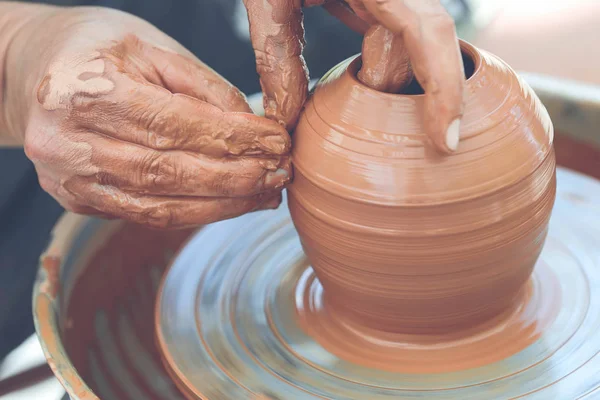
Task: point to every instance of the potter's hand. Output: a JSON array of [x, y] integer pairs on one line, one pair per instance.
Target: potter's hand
[[141, 130], [428, 33]]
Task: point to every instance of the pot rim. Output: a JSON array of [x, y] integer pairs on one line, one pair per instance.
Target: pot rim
[[353, 64], [46, 301]]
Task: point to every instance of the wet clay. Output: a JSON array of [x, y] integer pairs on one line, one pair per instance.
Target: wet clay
[[277, 34], [228, 314], [386, 66], [241, 314], [108, 326], [69, 78], [506, 334], [402, 239]]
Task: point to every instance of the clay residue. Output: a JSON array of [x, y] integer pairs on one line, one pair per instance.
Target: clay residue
[[475, 346], [120, 283], [51, 265], [277, 34], [73, 77], [385, 63], [153, 136]]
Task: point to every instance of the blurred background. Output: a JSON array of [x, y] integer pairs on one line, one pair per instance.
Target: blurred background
[[550, 40]]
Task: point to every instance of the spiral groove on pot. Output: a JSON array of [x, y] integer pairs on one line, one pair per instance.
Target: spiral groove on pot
[[406, 240]]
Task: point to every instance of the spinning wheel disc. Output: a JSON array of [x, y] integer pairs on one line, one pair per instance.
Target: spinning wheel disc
[[239, 317]]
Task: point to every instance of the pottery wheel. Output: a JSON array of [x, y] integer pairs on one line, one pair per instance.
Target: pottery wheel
[[229, 310]]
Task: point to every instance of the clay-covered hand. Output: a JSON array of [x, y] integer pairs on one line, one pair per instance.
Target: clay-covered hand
[[428, 33], [139, 129]]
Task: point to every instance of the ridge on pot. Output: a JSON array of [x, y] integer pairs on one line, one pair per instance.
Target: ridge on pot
[[402, 238]]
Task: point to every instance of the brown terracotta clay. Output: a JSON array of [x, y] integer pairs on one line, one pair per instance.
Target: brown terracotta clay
[[119, 286], [386, 66], [93, 305], [404, 239]]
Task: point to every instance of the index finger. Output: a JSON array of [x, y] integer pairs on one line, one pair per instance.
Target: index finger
[[151, 116], [277, 37], [430, 38]]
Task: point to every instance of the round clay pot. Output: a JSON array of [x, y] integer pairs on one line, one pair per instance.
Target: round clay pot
[[94, 299], [405, 239]]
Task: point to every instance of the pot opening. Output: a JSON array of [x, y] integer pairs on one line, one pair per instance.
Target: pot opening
[[470, 62]]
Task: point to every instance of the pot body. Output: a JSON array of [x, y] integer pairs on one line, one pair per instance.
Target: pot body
[[403, 238]]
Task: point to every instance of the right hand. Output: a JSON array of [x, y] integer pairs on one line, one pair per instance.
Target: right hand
[[428, 34], [141, 130]]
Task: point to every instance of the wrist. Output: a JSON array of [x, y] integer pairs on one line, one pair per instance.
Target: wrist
[[22, 33]]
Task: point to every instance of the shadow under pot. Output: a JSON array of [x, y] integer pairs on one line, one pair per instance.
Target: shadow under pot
[[404, 239]]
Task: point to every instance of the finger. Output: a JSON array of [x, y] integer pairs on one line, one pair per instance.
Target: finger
[[344, 13], [313, 3], [277, 37], [181, 74], [153, 117], [176, 173], [430, 39], [52, 187], [166, 212], [361, 11], [385, 63]]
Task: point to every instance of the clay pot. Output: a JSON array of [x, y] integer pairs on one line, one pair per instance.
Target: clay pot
[[402, 238]]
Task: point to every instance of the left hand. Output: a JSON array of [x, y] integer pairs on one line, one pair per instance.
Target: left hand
[[124, 122]]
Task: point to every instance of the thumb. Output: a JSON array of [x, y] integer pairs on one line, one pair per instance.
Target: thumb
[[277, 37]]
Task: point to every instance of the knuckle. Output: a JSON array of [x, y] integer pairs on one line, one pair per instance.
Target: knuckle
[[234, 99], [382, 6], [224, 184], [442, 22], [155, 139], [160, 216], [266, 62], [382, 3], [34, 150], [253, 184], [438, 21], [160, 170], [162, 128], [107, 179], [48, 185]]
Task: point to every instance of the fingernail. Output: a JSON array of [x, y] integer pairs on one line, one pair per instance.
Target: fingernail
[[277, 179], [452, 135]]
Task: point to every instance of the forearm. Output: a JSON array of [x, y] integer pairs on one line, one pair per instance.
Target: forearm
[[21, 35]]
